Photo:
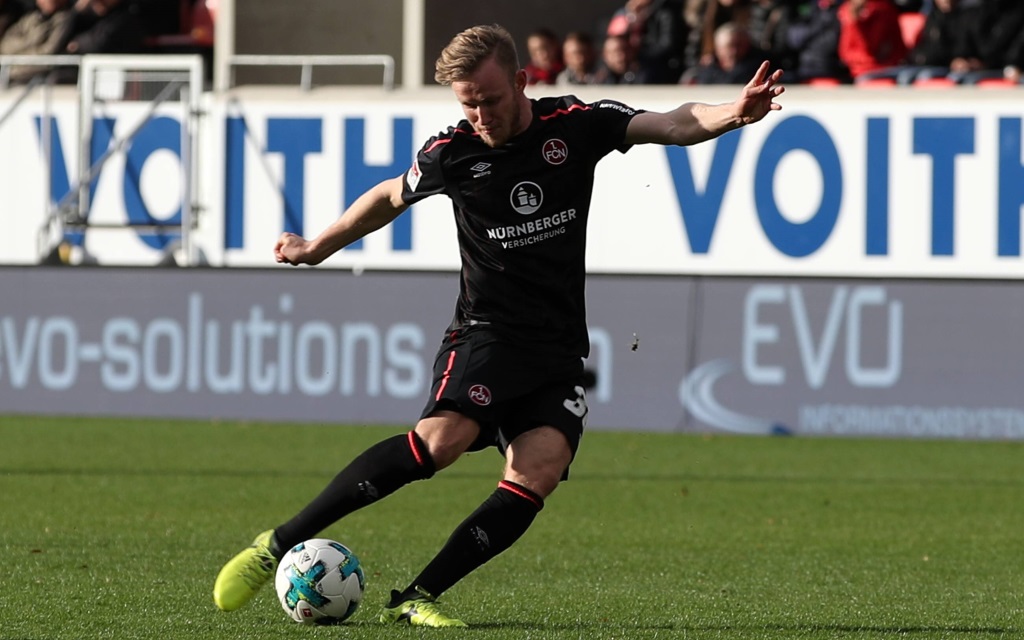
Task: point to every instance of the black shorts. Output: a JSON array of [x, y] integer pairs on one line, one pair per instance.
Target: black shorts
[[507, 389]]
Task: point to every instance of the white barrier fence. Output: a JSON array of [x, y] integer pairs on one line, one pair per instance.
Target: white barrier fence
[[842, 182]]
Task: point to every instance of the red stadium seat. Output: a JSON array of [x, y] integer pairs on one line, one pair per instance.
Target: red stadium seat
[[911, 25]]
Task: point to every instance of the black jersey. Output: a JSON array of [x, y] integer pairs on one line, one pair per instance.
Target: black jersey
[[521, 211]]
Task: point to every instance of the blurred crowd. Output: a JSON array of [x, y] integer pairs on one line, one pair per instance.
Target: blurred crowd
[[817, 42], [79, 27]]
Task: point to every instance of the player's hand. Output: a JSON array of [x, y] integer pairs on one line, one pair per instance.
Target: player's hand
[[758, 97], [292, 249]]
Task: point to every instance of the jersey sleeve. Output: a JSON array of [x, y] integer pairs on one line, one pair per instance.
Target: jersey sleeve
[[425, 177], [608, 122]]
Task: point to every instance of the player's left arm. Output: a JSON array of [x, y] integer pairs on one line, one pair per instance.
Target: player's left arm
[[374, 209], [696, 122]]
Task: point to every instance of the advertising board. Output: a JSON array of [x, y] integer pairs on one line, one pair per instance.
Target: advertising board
[[855, 357], [840, 183]]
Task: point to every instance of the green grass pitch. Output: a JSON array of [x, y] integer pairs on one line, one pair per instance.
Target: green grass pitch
[[117, 528]]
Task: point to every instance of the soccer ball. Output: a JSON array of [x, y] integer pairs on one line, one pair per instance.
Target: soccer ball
[[319, 582]]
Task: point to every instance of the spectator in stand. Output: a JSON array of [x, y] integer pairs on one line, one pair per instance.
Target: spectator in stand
[[693, 16], [1014, 72], [43, 31], [1003, 50], [1014, 69], [628, 22], [160, 17], [580, 59], [734, 57], [950, 44], [618, 63], [545, 57], [763, 25], [10, 12], [869, 37], [812, 34], [759, 18], [707, 16], [105, 26], [662, 42], [657, 33]]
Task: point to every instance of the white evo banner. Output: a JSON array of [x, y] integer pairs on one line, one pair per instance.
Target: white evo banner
[[840, 183]]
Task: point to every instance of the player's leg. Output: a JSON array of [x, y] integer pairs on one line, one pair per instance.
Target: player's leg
[[440, 438], [536, 462], [381, 470], [510, 391], [378, 472]]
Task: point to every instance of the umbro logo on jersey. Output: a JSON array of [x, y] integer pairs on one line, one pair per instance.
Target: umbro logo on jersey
[[526, 198], [481, 169], [555, 151]]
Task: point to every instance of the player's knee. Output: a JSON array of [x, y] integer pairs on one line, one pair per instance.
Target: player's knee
[[538, 460], [447, 436], [541, 474], [540, 479]]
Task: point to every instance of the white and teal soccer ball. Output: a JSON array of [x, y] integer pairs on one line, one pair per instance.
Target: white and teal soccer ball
[[319, 582]]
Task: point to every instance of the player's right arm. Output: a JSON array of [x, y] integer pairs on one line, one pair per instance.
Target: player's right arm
[[693, 122], [374, 209]]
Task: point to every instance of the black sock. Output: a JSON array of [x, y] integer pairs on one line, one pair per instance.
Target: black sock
[[492, 528], [377, 472]]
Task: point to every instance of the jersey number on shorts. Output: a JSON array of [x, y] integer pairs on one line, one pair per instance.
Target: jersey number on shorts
[[578, 407]]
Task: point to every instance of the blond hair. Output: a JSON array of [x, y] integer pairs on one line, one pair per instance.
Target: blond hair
[[469, 49]]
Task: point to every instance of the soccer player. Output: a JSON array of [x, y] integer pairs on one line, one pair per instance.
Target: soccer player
[[509, 371]]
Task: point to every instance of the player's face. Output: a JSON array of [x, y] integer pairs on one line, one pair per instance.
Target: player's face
[[492, 102]]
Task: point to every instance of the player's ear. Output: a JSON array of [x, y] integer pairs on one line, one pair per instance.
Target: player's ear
[[520, 80]]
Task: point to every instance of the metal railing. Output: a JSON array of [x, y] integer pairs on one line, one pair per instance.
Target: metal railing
[[180, 75], [50, 61], [307, 62], [44, 80]]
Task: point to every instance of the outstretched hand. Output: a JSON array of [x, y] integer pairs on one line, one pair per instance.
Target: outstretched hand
[[292, 249], [757, 99]]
